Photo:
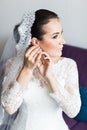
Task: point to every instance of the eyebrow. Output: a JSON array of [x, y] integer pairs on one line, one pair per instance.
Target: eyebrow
[[57, 32]]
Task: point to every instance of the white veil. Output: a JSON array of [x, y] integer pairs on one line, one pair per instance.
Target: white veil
[[8, 52], [15, 47], [9, 49]]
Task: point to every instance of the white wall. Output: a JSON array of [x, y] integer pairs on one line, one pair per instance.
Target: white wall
[[72, 13]]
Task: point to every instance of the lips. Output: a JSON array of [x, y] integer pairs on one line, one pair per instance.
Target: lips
[[60, 48]]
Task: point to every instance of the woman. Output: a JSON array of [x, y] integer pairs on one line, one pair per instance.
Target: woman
[[39, 81]]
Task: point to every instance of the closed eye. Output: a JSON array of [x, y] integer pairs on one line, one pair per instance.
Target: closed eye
[[57, 34], [54, 37]]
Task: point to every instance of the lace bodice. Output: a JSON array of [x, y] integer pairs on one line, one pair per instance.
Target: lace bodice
[[39, 105]]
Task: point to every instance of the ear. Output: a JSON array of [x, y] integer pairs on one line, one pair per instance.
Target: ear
[[34, 41]]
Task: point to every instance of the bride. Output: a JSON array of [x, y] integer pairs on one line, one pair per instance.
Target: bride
[[38, 81]]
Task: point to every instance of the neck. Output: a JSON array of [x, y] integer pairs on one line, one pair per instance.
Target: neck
[[56, 59]]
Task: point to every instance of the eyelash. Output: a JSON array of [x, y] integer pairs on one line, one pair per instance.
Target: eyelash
[[55, 36]]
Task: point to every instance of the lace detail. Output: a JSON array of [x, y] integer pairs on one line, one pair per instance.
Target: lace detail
[[16, 65], [68, 103], [39, 101], [24, 30], [12, 98], [67, 96], [25, 39]]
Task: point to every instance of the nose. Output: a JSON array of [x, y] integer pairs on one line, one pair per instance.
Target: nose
[[62, 40]]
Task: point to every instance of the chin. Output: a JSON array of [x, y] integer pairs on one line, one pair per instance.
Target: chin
[[59, 54]]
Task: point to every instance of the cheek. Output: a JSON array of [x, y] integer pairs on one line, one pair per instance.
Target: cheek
[[52, 47], [51, 50], [48, 47]]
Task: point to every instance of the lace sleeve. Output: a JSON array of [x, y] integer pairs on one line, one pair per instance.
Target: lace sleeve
[[12, 96], [68, 96]]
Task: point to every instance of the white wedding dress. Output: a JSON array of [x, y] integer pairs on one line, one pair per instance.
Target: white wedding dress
[[39, 108]]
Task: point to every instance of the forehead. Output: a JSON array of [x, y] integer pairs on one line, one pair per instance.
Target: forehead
[[54, 25]]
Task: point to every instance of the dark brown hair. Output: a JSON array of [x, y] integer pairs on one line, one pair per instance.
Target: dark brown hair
[[42, 17]]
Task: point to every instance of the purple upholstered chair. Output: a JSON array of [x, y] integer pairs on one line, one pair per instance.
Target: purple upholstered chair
[[80, 56]]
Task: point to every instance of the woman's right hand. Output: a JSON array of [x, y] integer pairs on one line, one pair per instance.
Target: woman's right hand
[[32, 57]]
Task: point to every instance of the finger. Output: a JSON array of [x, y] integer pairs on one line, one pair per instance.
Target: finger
[[35, 57], [34, 53], [31, 49], [39, 64], [38, 58], [45, 56]]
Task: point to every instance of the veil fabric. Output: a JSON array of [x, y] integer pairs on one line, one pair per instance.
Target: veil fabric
[[14, 47], [9, 49], [8, 52]]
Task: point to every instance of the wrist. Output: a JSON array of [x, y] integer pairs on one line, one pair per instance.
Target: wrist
[[50, 76], [24, 77], [26, 70]]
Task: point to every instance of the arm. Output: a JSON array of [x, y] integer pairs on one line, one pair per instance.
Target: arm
[[12, 95], [67, 97]]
